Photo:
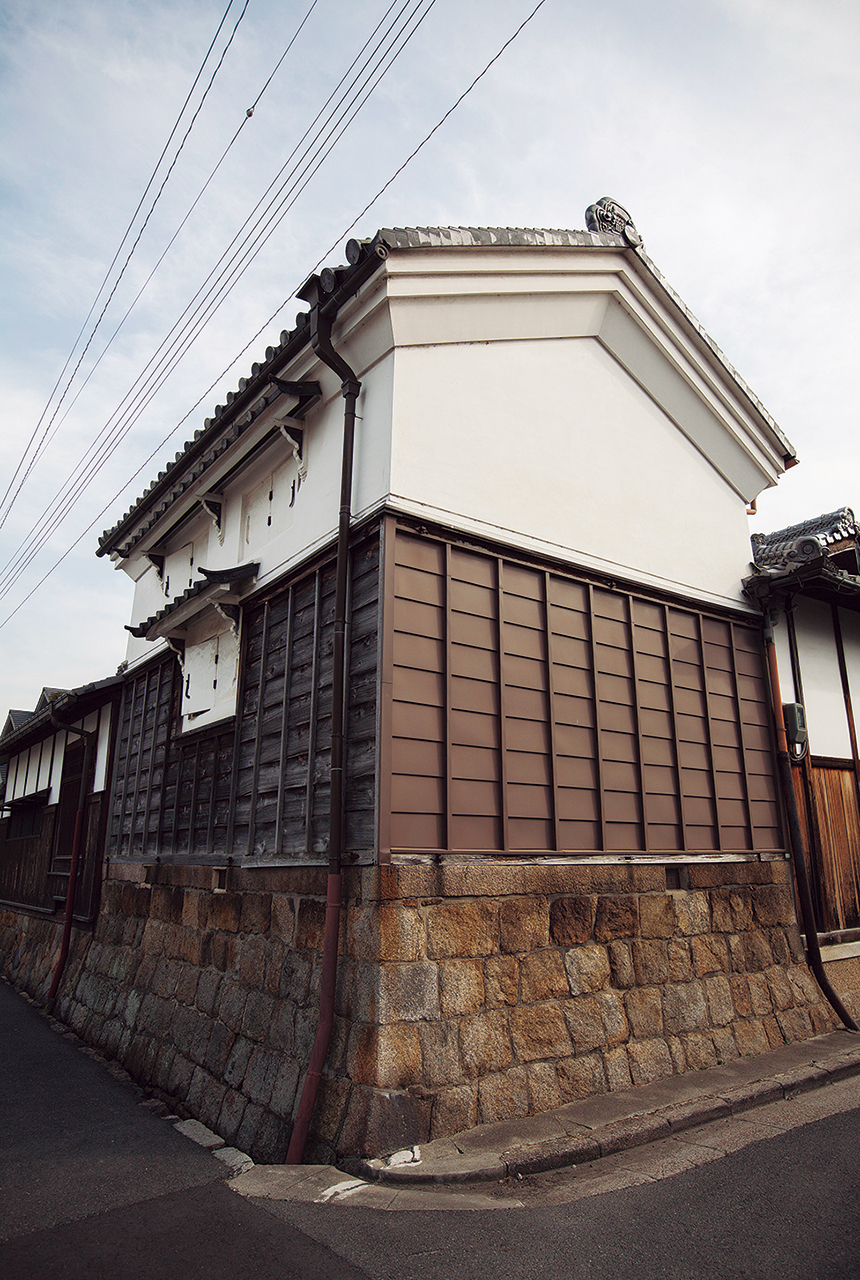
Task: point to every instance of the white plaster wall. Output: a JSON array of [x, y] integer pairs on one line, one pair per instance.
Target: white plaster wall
[[822, 684], [210, 674], [850, 625], [304, 521], [40, 767], [148, 599], [103, 753], [552, 401], [31, 770], [787, 691], [43, 778], [552, 445]]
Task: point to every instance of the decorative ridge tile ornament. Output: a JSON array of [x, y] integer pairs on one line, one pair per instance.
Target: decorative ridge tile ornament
[[783, 545], [608, 215]]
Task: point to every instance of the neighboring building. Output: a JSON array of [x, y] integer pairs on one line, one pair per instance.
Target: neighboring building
[[42, 754], [565, 857], [808, 579]]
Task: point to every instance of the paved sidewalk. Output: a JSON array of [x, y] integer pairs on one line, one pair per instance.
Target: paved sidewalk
[[585, 1131], [579, 1133], [58, 1094]]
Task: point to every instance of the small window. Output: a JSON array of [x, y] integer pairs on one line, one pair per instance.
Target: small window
[[25, 822], [209, 677]]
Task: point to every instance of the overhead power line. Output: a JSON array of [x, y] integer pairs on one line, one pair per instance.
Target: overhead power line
[[245, 119], [119, 249], [198, 312], [282, 306]]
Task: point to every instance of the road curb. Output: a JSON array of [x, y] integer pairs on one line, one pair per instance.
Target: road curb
[[445, 1163]]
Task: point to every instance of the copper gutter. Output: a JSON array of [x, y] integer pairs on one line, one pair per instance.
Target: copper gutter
[[322, 313], [798, 853]]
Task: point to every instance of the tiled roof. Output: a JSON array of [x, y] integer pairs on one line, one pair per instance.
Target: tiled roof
[[798, 558], [15, 720], [205, 586], [65, 702], [255, 393], [495, 237], [798, 542], [19, 717]]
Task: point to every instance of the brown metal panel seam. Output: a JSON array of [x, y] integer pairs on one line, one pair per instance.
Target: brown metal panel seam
[[709, 732], [598, 744], [676, 735], [551, 692], [744, 764], [503, 746], [646, 841], [449, 766], [385, 683]]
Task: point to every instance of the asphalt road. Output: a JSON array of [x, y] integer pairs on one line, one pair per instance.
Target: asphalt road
[[94, 1185], [784, 1208]]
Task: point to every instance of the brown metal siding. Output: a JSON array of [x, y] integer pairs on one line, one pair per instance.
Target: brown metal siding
[[534, 712]]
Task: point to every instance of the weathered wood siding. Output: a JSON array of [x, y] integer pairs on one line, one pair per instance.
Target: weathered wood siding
[[830, 822], [256, 787], [34, 872], [532, 711], [25, 864]]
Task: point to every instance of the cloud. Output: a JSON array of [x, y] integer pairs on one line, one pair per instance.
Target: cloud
[[728, 128]]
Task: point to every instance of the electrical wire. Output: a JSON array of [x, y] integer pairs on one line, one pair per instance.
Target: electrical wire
[[154, 374], [283, 304], [122, 272], [246, 117], [114, 261], [73, 489], [425, 140]]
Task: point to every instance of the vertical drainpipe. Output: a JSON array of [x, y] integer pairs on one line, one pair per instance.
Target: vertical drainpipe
[[798, 853], [320, 331], [89, 736]]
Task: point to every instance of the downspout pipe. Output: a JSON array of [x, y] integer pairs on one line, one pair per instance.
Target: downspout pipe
[[798, 853], [89, 736], [320, 335]]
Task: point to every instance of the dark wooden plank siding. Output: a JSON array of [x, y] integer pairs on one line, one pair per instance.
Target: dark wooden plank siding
[[25, 864], [256, 787], [833, 840], [534, 712]]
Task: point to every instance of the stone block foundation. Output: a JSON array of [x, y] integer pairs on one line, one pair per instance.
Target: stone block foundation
[[467, 993]]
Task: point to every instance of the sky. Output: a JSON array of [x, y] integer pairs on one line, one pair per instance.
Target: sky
[[728, 128]]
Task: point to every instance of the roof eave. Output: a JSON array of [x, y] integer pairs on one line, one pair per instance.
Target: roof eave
[[77, 704]]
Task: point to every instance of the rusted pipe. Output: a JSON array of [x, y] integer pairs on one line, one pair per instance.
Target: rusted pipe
[[320, 324], [798, 853], [89, 736]]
